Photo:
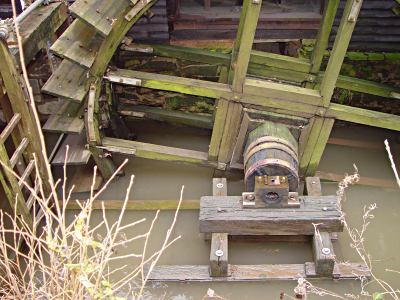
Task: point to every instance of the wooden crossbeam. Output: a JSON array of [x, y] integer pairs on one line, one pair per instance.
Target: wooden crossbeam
[[225, 214], [257, 92], [157, 152], [271, 65]]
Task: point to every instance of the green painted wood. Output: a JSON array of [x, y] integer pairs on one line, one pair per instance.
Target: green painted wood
[[308, 141], [69, 81], [366, 87], [166, 115], [79, 43], [171, 83], [231, 130], [320, 146], [157, 152], [280, 61], [339, 50], [244, 43], [218, 129], [220, 114], [282, 91], [101, 14], [323, 34], [363, 116]]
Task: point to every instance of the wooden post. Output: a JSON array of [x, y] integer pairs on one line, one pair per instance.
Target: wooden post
[[323, 35], [105, 164], [324, 255], [219, 241], [237, 75], [244, 43], [342, 41], [321, 127]]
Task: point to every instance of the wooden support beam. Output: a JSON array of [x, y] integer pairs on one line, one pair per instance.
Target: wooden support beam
[[318, 135], [243, 44], [219, 241], [231, 129], [225, 214], [156, 152], [257, 92], [324, 256], [270, 65], [342, 40], [323, 35], [255, 273], [363, 116], [166, 115], [220, 114], [313, 186]]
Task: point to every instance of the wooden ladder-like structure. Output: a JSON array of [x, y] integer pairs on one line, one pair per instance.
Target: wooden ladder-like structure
[[87, 47], [20, 150]]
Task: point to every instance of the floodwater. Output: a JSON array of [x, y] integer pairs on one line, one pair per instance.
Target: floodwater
[[163, 180]]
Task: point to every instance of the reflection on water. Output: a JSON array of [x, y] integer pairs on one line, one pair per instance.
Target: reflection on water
[[161, 180]]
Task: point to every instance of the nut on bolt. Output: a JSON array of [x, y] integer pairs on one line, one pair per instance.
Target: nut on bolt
[[250, 197]]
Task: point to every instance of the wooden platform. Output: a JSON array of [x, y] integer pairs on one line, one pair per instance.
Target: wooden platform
[[255, 272], [225, 214]]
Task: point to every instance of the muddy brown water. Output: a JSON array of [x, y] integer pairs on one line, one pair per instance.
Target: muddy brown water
[[163, 180]]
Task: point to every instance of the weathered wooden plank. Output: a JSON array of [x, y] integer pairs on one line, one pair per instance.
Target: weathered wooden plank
[[82, 181], [363, 116], [170, 83], [324, 256], [182, 273], [78, 154], [339, 50], [10, 127], [101, 14], [219, 255], [18, 152], [282, 91], [79, 43], [280, 61], [323, 34], [320, 145], [157, 152], [25, 175], [313, 186], [219, 241], [166, 115], [144, 205], [231, 129], [64, 124], [40, 26], [69, 81], [243, 44], [225, 214], [302, 99]]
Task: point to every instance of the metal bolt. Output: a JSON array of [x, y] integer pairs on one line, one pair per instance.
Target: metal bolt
[[219, 253], [250, 197], [220, 185], [326, 251], [324, 208], [313, 182], [256, 1], [219, 209]]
